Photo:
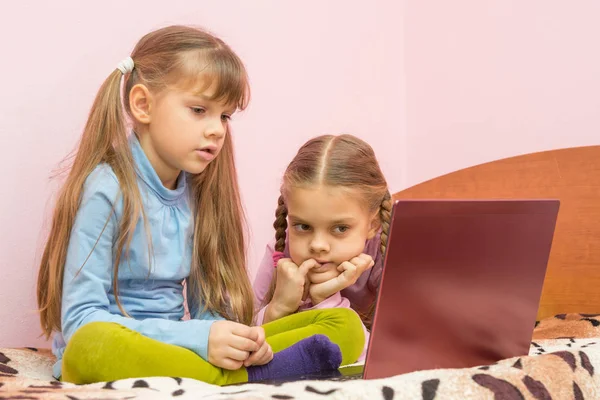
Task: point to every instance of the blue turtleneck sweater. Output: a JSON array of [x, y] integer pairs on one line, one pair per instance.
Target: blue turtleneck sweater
[[150, 292]]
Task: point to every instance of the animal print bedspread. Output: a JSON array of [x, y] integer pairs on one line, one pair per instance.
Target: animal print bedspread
[[564, 362]]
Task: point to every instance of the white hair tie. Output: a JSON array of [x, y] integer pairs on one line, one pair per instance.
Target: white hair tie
[[126, 65]]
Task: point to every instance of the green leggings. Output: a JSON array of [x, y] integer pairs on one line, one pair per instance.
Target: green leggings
[[104, 351]]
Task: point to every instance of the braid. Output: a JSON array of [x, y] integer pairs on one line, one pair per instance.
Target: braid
[[385, 213], [280, 224]]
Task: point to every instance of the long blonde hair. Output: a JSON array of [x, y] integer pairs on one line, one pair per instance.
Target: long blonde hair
[[336, 161], [171, 56]]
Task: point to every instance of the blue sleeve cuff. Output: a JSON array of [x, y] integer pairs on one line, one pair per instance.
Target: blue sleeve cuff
[[197, 336]]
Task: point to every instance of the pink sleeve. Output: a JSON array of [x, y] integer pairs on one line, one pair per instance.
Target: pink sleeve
[[262, 283], [260, 316]]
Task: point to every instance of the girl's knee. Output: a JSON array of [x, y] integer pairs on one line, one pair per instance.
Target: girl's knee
[[347, 316], [340, 320], [350, 333], [93, 333], [91, 347]]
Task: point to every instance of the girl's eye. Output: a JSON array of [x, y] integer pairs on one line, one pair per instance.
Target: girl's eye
[[341, 229], [197, 110], [226, 117], [301, 227]]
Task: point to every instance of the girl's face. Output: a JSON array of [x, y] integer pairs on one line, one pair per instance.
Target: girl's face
[[182, 130], [327, 224]]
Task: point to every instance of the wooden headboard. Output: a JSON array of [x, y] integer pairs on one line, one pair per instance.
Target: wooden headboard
[[572, 283]]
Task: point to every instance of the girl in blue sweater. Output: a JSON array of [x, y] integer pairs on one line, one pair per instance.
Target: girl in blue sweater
[[149, 212]]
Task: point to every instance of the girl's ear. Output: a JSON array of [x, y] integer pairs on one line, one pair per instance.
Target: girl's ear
[[375, 225], [140, 103]]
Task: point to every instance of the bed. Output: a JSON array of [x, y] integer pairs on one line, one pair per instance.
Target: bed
[[564, 357]]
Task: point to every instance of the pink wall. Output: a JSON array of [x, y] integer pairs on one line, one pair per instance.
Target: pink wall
[[316, 67], [488, 79], [434, 86]]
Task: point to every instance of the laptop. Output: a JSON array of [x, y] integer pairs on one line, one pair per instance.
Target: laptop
[[460, 287]]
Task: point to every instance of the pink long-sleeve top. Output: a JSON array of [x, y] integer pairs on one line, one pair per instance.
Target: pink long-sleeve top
[[358, 296]]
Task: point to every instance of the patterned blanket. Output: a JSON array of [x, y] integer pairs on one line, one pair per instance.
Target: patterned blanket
[[563, 363]]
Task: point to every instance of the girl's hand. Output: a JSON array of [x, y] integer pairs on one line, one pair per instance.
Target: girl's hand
[[230, 344], [348, 274], [291, 287], [264, 354]]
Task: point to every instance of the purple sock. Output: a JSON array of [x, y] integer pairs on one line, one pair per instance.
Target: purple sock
[[313, 354]]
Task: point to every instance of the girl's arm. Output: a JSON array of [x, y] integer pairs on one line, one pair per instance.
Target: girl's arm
[[266, 312], [88, 274], [290, 286], [262, 283]]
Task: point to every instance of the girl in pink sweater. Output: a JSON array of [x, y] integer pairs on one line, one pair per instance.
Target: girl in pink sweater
[[331, 229]]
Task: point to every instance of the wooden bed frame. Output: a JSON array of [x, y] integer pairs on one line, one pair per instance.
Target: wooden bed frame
[[572, 175]]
